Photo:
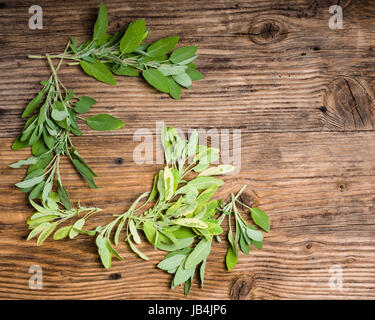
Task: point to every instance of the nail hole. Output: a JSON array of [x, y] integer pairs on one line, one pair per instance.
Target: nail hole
[[115, 276], [119, 161]]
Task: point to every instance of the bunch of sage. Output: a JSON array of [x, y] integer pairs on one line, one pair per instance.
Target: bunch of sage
[[183, 218], [53, 114], [124, 53]]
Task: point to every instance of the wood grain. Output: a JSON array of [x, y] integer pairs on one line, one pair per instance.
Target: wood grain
[[272, 69]]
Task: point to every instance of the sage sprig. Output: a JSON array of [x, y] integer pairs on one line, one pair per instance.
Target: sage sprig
[[124, 53], [53, 118], [178, 215]]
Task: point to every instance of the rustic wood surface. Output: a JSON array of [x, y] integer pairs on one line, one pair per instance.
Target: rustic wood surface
[[302, 95]]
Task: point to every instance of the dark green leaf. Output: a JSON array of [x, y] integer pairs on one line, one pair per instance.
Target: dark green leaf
[[260, 218], [162, 46], [182, 54], [133, 36], [104, 122], [99, 71], [126, 71], [194, 74], [33, 104], [37, 191], [231, 258], [174, 89], [156, 79], [18, 144], [85, 172], [84, 104], [101, 23], [64, 197]]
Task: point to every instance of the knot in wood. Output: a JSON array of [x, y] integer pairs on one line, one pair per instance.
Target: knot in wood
[[265, 31], [348, 105], [247, 200], [241, 287]]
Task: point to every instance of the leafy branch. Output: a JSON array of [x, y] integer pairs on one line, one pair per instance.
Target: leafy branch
[[125, 54]]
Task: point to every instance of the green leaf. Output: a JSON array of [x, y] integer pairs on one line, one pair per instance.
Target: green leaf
[[104, 122], [183, 80], [205, 182], [49, 140], [133, 36], [192, 144], [182, 275], [174, 89], [154, 188], [126, 71], [113, 250], [76, 227], [199, 253], [194, 74], [245, 247], [99, 71], [46, 190], [187, 286], [104, 252], [38, 229], [254, 234], [206, 195], [33, 104], [85, 172], [46, 233], [64, 197], [171, 262], [18, 144], [162, 46], [257, 244], [219, 170], [191, 223], [137, 251], [84, 104], [118, 230], [150, 231], [181, 243], [182, 54], [169, 70], [231, 258], [168, 183], [101, 23], [202, 270], [30, 182], [134, 233], [62, 233], [37, 191], [156, 79], [260, 218], [28, 161], [39, 148], [161, 185]]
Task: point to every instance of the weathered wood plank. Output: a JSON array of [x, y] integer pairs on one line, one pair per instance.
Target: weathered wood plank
[[273, 85], [273, 69], [316, 187]]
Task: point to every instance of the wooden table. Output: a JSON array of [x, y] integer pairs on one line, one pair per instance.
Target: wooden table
[[302, 96]]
